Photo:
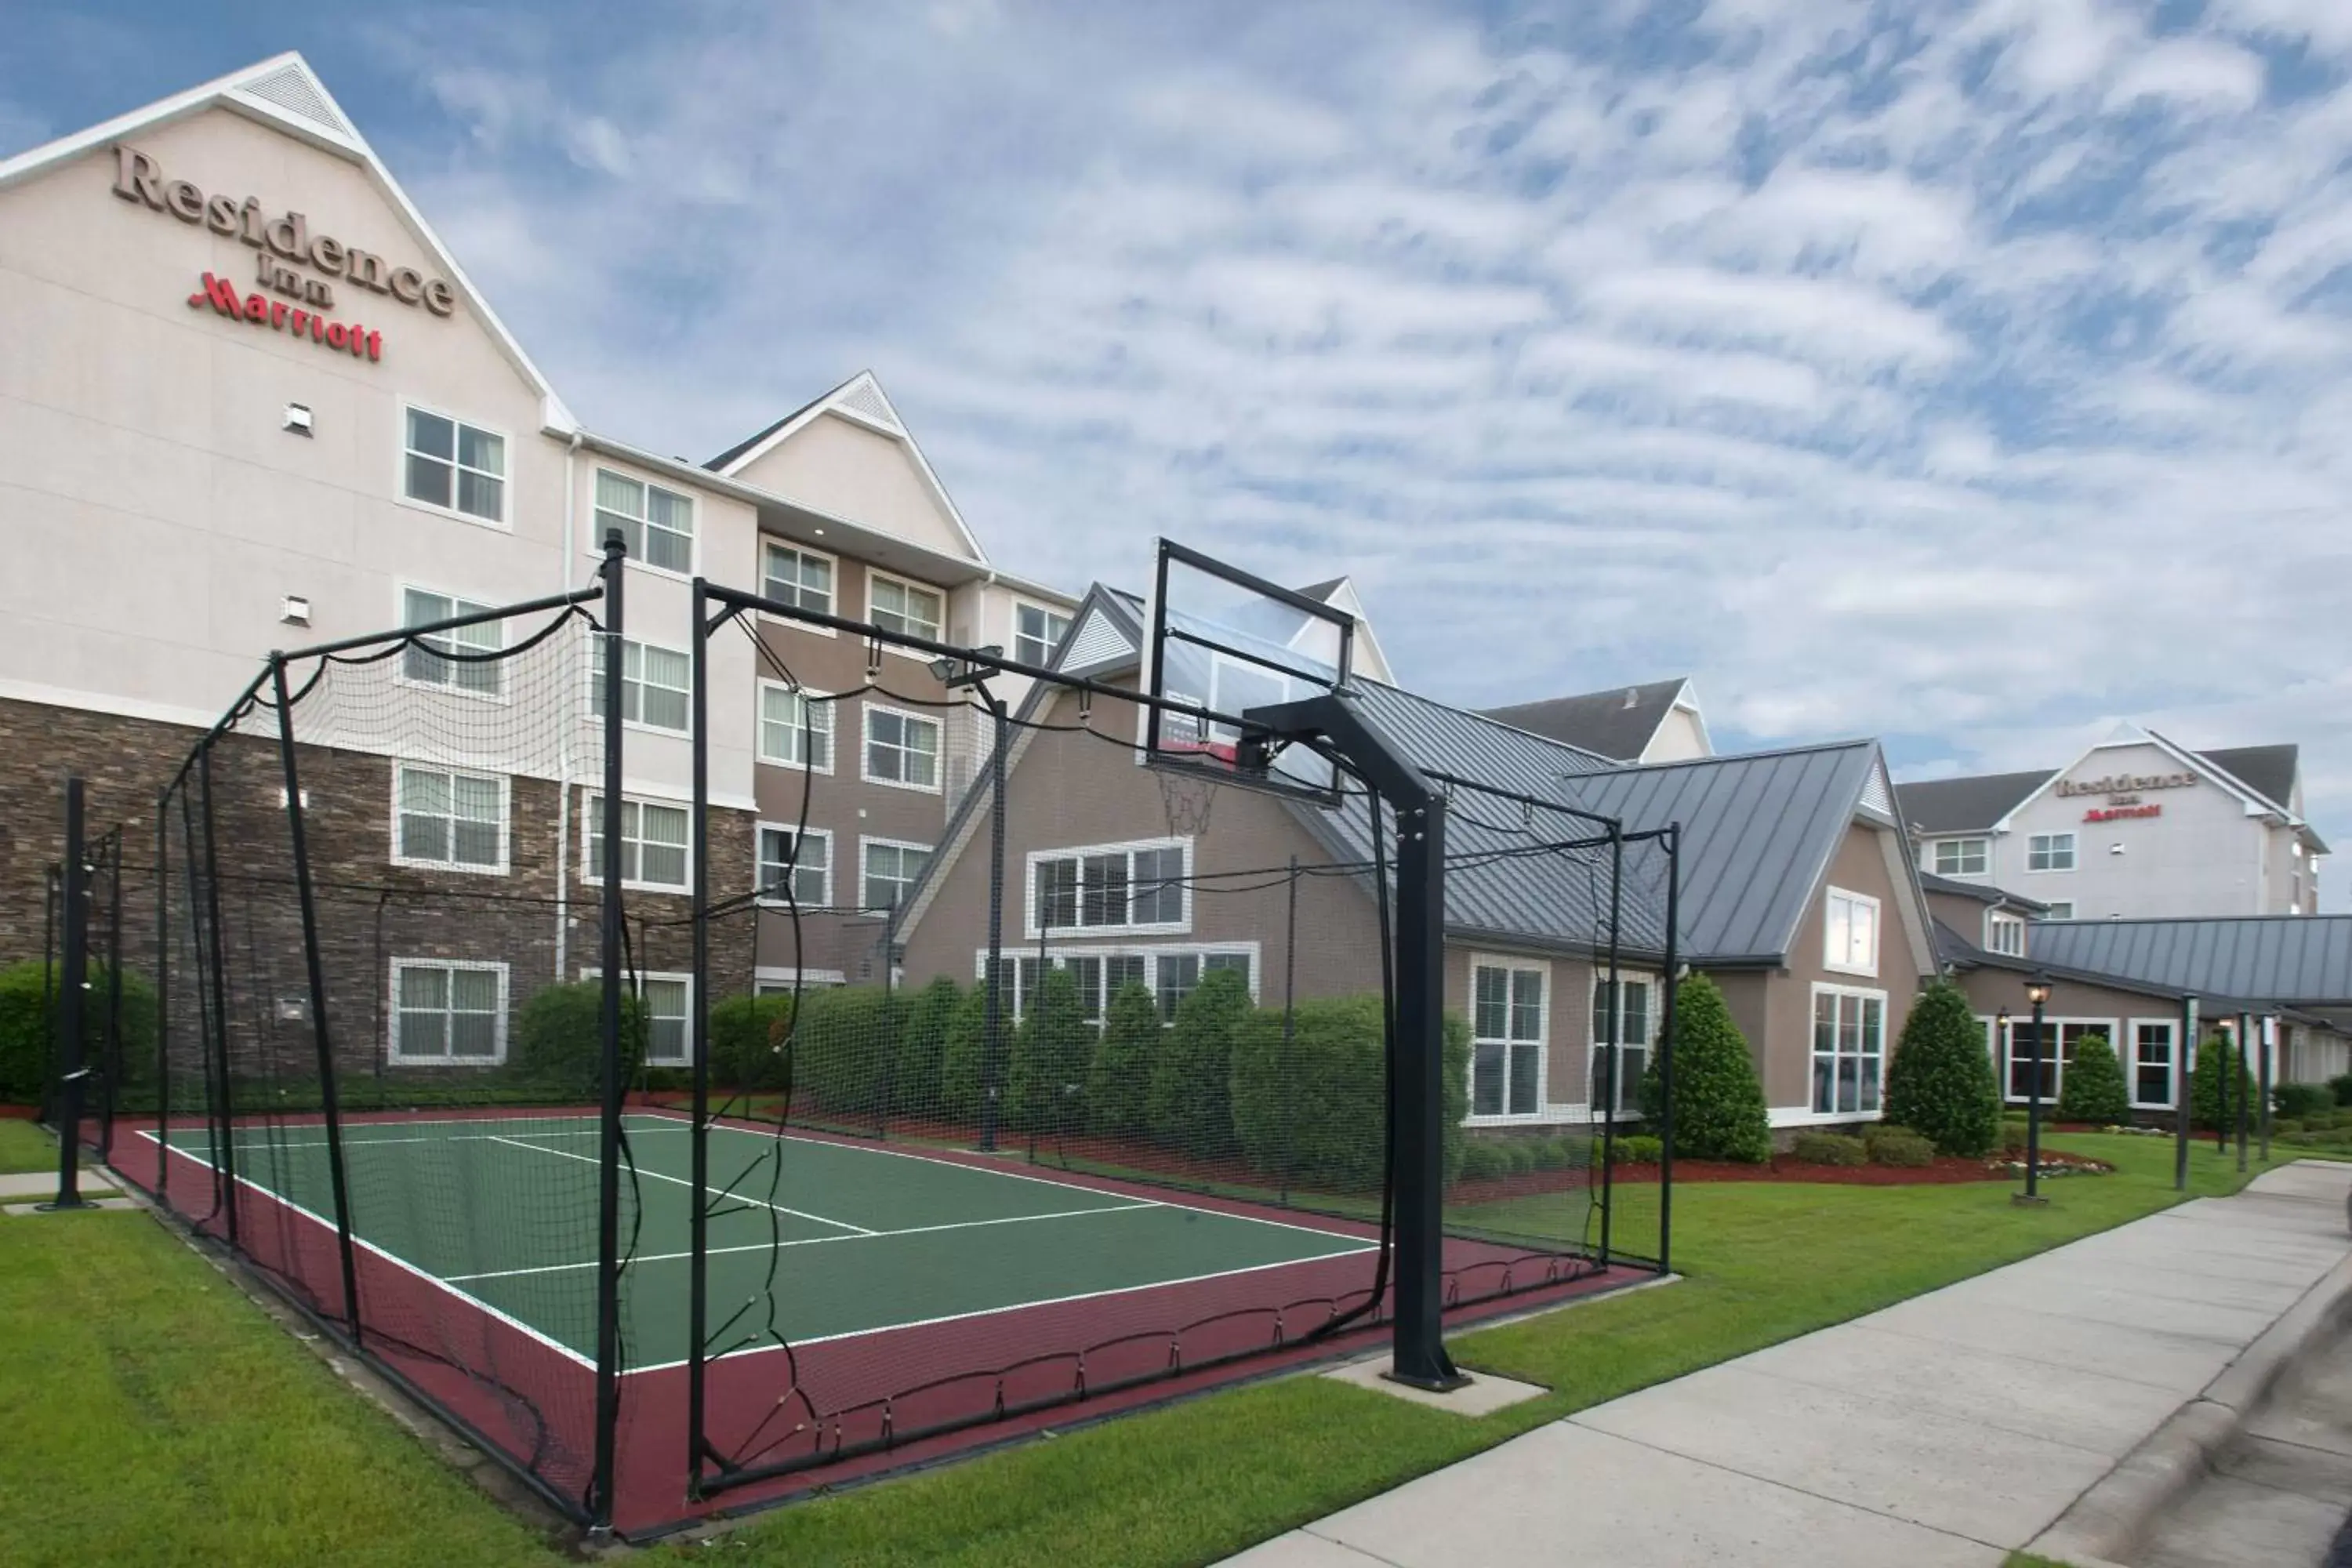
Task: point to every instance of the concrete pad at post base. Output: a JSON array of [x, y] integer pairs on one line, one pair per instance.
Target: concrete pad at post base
[[1483, 1395], [88, 1203], [43, 1184]]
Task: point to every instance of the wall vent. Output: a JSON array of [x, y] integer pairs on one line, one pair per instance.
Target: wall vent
[[866, 401], [291, 90]]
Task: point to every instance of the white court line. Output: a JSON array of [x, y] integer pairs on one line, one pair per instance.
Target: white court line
[[816, 1240], [681, 1181], [394, 1258]]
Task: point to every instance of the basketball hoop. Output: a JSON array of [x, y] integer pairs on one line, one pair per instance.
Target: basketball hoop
[[1188, 797]]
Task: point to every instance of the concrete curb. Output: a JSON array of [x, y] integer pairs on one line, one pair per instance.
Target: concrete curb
[[2104, 1523]]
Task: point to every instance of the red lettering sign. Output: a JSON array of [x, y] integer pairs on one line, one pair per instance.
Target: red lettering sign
[[2118, 813], [363, 342]]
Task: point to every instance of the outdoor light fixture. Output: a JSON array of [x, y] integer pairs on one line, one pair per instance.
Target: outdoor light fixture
[[298, 418], [954, 672], [2037, 991]]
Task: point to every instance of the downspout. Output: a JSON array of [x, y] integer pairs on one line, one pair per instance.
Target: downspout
[[563, 751]]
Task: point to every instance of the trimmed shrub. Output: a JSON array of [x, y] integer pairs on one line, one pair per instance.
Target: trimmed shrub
[[1941, 1083], [27, 1033], [1188, 1105], [746, 1042], [1482, 1160], [1640, 1149], [1119, 1085], [1830, 1149], [2206, 1084], [1519, 1155], [960, 1056], [923, 1028], [2094, 1090], [1900, 1147], [2287, 1126], [841, 1047], [1046, 1074], [1311, 1110], [1559, 1154], [2340, 1086], [1718, 1099], [2301, 1099], [559, 1039]]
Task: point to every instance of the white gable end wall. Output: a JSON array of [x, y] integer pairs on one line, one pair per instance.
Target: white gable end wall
[[2200, 854], [850, 469]]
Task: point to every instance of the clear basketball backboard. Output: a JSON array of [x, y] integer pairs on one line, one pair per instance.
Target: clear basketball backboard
[[1227, 641]]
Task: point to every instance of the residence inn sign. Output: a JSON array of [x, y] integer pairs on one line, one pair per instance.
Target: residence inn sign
[[2123, 790]]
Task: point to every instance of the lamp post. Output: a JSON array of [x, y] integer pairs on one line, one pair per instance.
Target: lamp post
[[2037, 991], [2225, 1031]]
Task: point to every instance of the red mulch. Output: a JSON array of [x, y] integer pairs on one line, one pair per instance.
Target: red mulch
[[1948, 1169]]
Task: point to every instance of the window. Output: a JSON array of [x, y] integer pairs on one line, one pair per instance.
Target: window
[[795, 727], [1115, 886], [2050, 852], [902, 749], [2061, 910], [1617, 1072], [1179, 975], [657, 685], [799, 860], [2152, 1061], [657, 524], [455, 466], [1852, 946], [2005, 933], [1036, 633], [446, 1013], [1849, 1049], [1963, 857], [797, 577], [1170, 975], [890, 871], [2063, 1037], [652, 843], [901, 607], [428, 661], [1507, 1039], [668, 1003], [444, 817]]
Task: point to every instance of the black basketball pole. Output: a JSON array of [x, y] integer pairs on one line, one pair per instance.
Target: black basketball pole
[[698, 1296], [162, 1002], [1674, 843], [1613, 1052], [608, 1157], [72, 987], [225, 1146]]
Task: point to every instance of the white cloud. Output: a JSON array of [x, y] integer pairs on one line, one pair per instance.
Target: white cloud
[[2192, 73]]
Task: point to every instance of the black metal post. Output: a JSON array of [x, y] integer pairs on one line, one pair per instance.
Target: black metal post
[[315, 964], [2032, 1193], [991, 1054], [225, 1145], [2266, 1042], [109, 1083], [52, 895], [73, 922], [608, 1159], [1289, 1028], [2224, 1029], [1611, 1053], [698, 1284], [1673, 846], [163, 1001], [2184, 1076], [2245, 1099]]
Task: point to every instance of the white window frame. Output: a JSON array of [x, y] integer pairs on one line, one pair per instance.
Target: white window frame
[[2051, 841], [1629, 1087], [866, 844], [591, 809], [1857, 995], [633, 980], [2171, 1026], [597, 684], [1830, 960], [2057, 904], [459, 605], [501, 867], [402, 449], [1052, 615], [867, 711], [2020, 1024], [760, 862], [394, 1057], [1181, 926], [1058, 957], [875, 575], [1983, 853], [833, 595], [779, 980], [816, 702], [1997, 921], [635, 558], [1511, 964]]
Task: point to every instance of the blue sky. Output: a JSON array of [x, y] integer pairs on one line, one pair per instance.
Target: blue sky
[[1970, 374]]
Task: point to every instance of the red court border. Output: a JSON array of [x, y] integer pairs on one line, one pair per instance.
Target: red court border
[[533, 1400]]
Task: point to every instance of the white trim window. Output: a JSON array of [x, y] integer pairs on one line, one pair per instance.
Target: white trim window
[[448, 1014], [1142, 887], [426, 660], [653, 840], [1849, 1049], [657, 685], [796, 575], [1621, 1067], [1037, 632], [896, 605], [447, 819], [668, 1003], [799, 859], [2005, 933], [2153, 1040], [796, 727], [1169, 974], [2063, 910], [887, 868], [902, 749], [1850, 942], [1510, 1026], [452, 466], [657, 524], [1963, 857], [2050, 852], [2063, 1037]]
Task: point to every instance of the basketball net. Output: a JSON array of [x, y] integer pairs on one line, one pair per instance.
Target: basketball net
[[1188, 799]]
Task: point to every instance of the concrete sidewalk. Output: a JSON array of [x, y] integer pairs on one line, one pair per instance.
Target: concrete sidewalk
[[1949, 1429]]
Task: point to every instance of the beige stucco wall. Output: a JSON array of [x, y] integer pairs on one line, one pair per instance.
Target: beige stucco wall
[[836, 465], [1678, 739]]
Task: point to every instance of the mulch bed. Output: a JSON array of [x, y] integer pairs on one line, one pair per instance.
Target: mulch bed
[[1947, 1169]]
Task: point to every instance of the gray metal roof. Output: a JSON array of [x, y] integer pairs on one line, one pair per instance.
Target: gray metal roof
[[1969, 805], [1617, 722], [1982, 892], [2278, 958], [2268, 770]]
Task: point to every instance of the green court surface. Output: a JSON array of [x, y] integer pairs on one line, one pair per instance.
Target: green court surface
[[847, 1240]]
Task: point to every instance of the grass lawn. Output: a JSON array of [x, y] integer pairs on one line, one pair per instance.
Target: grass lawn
[[183, 1425], [25, 1147]]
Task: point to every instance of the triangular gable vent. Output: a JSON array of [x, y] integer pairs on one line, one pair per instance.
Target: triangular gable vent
[[291, 90], [1095, 640], [866, 401], [1875, 794]]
